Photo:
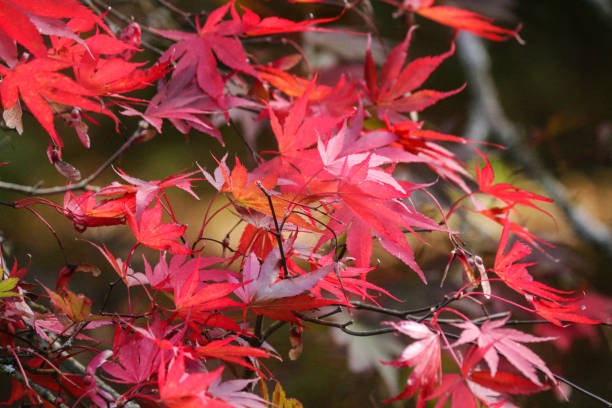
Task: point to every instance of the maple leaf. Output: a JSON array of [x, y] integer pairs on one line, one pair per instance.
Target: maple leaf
[[346, 279], [515, 275], [145, 192], [457, 18], [38, 82], [24, 20], [197, 53], [420, 143], [500, 216], [465, 392], [167, 275], [424, 355], [298, 130], [150, 232], [232, 392], [180, 389], [185, 105], [137, 351], [113, 76], [85, 211], [393, 94], [265, 294], [506, 383], [192, 294], [6, 286], [507, 193], [222, 350], [137, 359], [279, 397], [593, 306], [247, 192], [76, 307], [262, 283], [556, 312], [506, 342], [255, 25]]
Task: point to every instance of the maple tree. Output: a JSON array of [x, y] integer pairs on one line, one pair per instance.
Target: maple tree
[[302, 220]]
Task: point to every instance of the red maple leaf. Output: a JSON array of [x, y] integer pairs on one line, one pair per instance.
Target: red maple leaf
[[515, 275], [114, 76], [494, 339], [85, 211], [222, 350], [149, 230], [392, 91], [180, 389], [266, 295], [457, 18], [507, 193], [37, 82], [25, 20], [192, 294], [557, 313], [198, 53], [422, 354], [465, 392]]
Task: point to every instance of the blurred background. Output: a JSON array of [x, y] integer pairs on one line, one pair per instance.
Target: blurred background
[[555, 91]]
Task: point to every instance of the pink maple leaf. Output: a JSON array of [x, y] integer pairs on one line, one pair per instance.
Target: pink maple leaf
[[423, 355]]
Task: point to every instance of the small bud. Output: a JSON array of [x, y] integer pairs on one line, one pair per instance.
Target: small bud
[[295, 339]]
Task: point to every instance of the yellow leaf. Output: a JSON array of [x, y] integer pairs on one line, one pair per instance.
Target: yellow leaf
[[6, 285]]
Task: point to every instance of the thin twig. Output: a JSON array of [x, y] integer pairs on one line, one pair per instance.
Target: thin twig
[[81, 185], [277, 234]]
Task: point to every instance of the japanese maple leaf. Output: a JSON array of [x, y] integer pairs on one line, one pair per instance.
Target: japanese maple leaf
[[247, 191], [392, 91], [507, 193], [137, 351], [300, 130], [422, 144], [265, 294], [180, 389], [466, 392], [185, 105], [37, 82], [149, 230], [25, 20], [234, 393], [222, 350], [347, 172], [345, 280], [593, 306], [292, 85], [198, 53], [506, 342], [371, 208], [136, 359], [167, 275], [203, 296], [457, 18], [556, 312], [423, 355], [255, 25], [516, 275], [146, 191], [500, 216], [85, 211], [114, 76]]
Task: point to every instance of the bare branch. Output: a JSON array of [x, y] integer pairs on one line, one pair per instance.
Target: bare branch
[[487, 115], [83, 184]]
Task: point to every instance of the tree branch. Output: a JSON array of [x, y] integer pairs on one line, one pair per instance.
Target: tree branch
[[487, 115], [83, 184]]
